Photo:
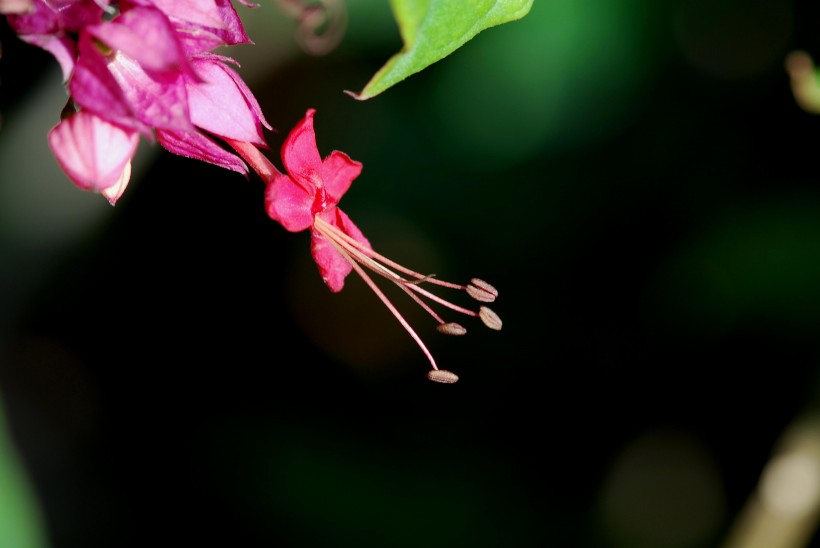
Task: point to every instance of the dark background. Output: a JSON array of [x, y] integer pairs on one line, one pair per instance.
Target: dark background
[[635, 177]]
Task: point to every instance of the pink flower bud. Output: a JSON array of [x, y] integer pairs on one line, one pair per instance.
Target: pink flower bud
[[94, 153]]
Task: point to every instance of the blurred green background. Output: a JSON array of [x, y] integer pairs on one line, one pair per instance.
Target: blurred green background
[[635, 177]]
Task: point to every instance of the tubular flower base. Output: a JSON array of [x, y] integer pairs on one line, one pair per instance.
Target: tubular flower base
[[307, 197]]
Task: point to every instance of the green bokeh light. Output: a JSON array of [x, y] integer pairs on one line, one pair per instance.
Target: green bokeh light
[[567, 73]]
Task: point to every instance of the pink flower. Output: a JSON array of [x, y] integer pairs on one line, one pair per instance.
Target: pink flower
[[219, 104], [183, 97], [146, 70], [203, 25], [307, 197], [311, 190], [94, 153], [117, 87], [51, 25]]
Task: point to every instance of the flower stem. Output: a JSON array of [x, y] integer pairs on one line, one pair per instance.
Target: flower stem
[[258, 161]]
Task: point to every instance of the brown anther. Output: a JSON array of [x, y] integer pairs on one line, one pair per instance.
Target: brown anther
[[440, 375], [451, 328], [481, 291], [489, 318]]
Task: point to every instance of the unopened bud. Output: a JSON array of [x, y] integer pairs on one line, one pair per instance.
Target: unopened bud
[[489, 318], [440, 375], [451, 328], [481, 291]]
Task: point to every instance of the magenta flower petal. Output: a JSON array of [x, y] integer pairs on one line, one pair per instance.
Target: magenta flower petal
[[41, 19], [56, 17], [338, 173], [94, 88], [289, 204], [223, 105], [47, 26], [300, 155], [75, 15], [134, 29], [60, 46], [118, 89], [231, 31], [202, 13], [92, 152], [333, 267], [202, 24], [347, 226], [196, 145], [160, 102], [216, 16]]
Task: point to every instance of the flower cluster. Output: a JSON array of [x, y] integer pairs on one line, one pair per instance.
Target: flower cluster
[[147, 68], [141, 67]]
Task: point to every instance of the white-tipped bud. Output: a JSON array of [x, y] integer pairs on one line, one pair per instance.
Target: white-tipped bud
[[451, 328], [481, 291], [440, 375], [489, 318]]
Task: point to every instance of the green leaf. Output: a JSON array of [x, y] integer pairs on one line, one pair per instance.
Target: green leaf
[[433, 29], [21, 524]]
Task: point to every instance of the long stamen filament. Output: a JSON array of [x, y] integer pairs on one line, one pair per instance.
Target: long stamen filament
[[362, 258], [370, 261], [342, 239], [369, 252], [436, 298], [369, 281], [420, 302], [331, 233]]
